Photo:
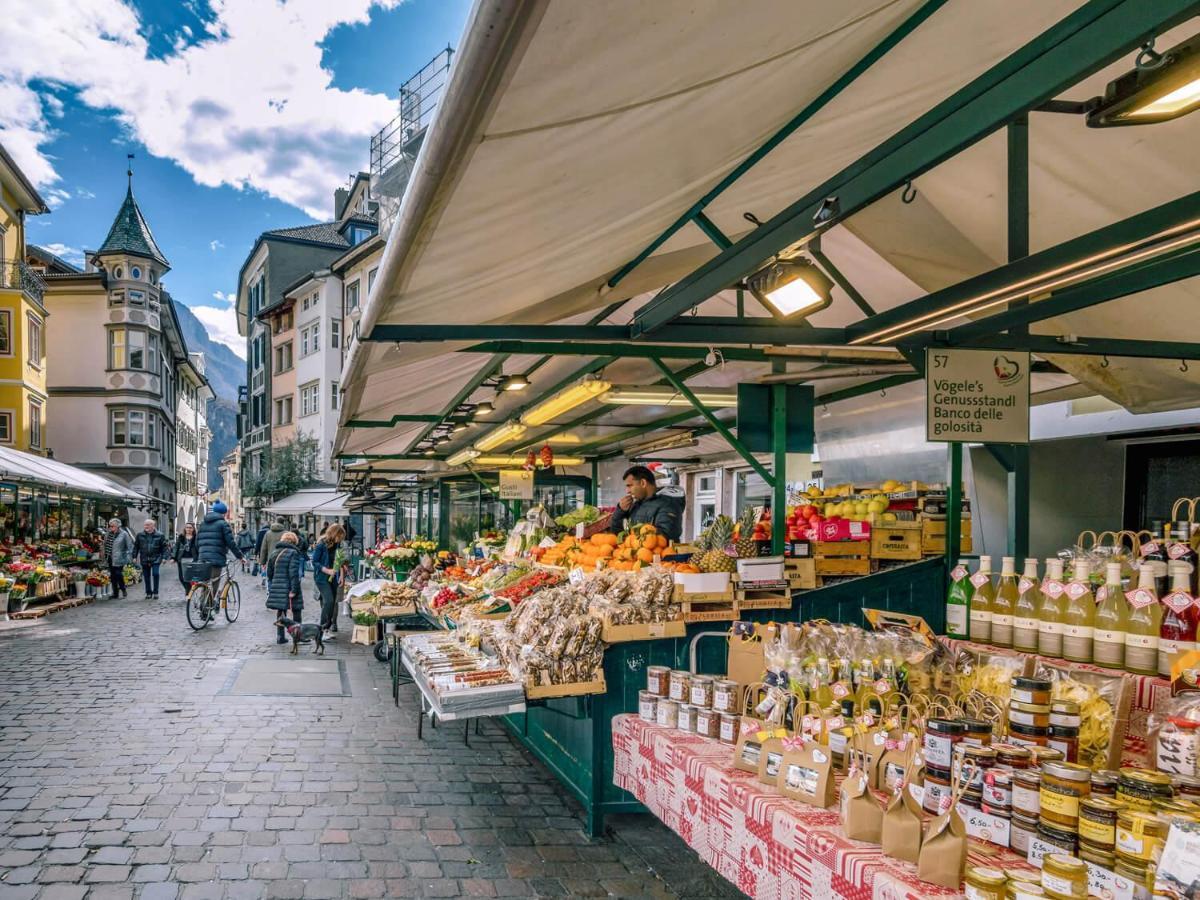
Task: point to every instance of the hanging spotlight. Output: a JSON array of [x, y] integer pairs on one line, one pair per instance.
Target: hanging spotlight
[[459, 427], [791, 287], [1161, 87], [428, 451], [484, 408], [513, 383]]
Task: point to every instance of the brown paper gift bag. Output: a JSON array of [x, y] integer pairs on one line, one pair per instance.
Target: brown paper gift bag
[[902, 826], [862, 816], [944, 851], [806, 772], [746, 664], [748, 752]]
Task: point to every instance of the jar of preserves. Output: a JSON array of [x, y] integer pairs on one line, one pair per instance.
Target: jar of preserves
[[1137, 872], [1026, 735], [941, 736], [1066, 739], [1066, 841], [1098, 823], [657, 679], [1030, 690], [1044, 755], [976, 761], [1022, 890], [1013, 756], [1101, 858], [1187, 786], [997, 792], [1065, 712], [1104, 783], [1064, 877], [1033, 715], [728, 731], [647, 706], [1063, 785], [708, 723], [984, 883], [701, 692], [726, 696], [1026, 793], [1142, 788], [679, 686], [1139, 834], [1022, 830], [978, 732], [687, 717], [937, 797], [668, 713]]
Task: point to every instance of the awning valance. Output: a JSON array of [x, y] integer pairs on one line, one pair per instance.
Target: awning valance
[[27, 468], [317, 501]]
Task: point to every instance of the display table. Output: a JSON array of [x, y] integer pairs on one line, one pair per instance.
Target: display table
[[767, 845]]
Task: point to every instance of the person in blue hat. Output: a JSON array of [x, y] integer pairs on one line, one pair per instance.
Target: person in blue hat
[[214, 539]]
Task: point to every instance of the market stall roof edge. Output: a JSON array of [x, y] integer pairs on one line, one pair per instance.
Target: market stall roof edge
[[16, 465]]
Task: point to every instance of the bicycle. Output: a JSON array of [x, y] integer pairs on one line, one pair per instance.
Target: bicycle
[[207, 596]]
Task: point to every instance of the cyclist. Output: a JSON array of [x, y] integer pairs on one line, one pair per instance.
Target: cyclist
[[214, 539]]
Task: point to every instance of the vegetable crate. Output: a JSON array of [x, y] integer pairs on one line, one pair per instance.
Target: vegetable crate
[[843, 558], [571, 689], [801, 573], [768, 599], [646, 631], [896, 540], [718, 607], [363, 634], [933, 536]]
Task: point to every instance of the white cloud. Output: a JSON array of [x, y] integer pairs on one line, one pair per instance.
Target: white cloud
[[222, 327], [230, 108], [84, 194], [72, 255], [215, 245], [224, 297], [56, 197]]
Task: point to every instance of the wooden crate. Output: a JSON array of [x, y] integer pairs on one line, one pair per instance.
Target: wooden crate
[[896, 540], [363, 634], [844, 558], [933, 537], [573, 689], [717, 608], [648, 631], [768, 599], [801, 573]]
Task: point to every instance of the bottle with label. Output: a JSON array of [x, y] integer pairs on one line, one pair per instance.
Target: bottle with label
[[1144, 625], [1112, 617], [1179, 617], [1181, 550], [1027, 610], [1079, 619], [1054, 607], [958, 602], [1154, 553], [982, 596], [1004, 604]]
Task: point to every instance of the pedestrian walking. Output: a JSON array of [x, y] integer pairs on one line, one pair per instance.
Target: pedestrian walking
[[270, 539], [215, 540], [286, 595], [186, 548], [258, 539], [149, 548], [118, 553], [245, 542], [327, 576]]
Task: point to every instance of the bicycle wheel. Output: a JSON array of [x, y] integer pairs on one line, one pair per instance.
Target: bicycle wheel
[[198, 614], [233, 602]]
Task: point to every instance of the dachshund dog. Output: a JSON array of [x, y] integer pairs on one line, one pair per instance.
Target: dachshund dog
[[302, 632]]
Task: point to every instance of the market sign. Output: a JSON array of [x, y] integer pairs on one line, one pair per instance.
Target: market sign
[[516, 484], [976, 396]]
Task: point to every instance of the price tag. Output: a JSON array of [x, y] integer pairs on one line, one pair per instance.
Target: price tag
[[1139, 598], [984, 826], [575, 576], [1038, 850], [1075, 590], [1103, 883], [918, 792], [579, 531], [1024, 585], [979, 579]]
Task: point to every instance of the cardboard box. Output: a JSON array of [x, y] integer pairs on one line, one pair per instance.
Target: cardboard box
[[801, 573], [649, 631], [844, 530], [703, 583], [760, 569]]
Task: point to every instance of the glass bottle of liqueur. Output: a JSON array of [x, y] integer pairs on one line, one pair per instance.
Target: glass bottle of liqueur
[[1112, 618], [1144, 625], [1054, 608], [1179, 617], [1180, 549], [1079, 619], [1154, 552], [982, 595], [1004, 604], [820, 690], [1027, 610], [958, 602]]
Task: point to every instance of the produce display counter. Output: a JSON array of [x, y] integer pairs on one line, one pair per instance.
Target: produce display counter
[[767, 845]]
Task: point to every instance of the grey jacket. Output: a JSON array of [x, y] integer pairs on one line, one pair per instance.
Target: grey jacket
[[664, 511], [270, 539], [121, 553]]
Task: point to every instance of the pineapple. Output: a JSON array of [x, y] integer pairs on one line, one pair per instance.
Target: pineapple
[[744, 545], [713, 542]]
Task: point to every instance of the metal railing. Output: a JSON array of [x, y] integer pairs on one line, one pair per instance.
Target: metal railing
[[16, 274], [419, 98]]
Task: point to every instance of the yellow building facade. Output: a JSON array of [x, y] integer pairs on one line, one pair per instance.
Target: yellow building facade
[[22, 318]]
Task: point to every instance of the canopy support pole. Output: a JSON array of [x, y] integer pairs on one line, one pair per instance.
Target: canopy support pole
[[954, 507], [779, 447], [716, 423], [1018, 247]]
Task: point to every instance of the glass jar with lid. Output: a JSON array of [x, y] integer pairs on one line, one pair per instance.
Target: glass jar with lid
[[1063, 785], [1143, 788], [1064, 877], [1139, 835], [984, 883]]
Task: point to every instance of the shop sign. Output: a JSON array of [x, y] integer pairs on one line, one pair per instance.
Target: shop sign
[[977, 396], [516, 484]]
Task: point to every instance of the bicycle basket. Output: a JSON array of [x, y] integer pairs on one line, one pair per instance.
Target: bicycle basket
[[197, 572]]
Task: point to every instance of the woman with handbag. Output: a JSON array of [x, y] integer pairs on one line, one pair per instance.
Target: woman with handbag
[[185, 550], [285, 596]]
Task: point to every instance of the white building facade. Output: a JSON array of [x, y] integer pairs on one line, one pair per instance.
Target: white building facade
[[318, 361], [192, 439]]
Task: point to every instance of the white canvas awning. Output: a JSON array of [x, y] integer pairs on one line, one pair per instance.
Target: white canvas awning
[[315, 501], [27, 468], [572, 134]]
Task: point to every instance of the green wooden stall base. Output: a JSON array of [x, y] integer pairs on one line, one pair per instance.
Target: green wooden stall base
[[573, 736]]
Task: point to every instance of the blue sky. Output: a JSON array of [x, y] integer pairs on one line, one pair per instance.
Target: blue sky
[[232, 134]]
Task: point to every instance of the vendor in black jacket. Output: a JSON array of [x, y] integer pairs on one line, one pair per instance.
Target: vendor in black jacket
[[150, 548], [646, 503]]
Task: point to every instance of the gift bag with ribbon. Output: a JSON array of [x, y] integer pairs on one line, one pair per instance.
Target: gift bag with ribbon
[[752, 723], [902, 828], [943, 854], [862, 816], [806, 772], [899, 749], [745, 663]]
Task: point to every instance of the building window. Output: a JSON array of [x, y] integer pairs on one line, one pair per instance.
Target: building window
[[5, 332], [152, 353], [136, 341], [351, 296], [117, 418], [371, 280], [310, 338], [119, 272], [151, 430], [283, 411], [35, 423], [116, 298], [137, 298], [136, 420], [116, 348], [6, 427], [310, 398], [34, 329], [136, 273], [335, 333], [283, 357], [334, 395]]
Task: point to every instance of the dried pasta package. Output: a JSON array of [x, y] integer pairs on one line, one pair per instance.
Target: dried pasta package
[[1104, 700], [990, 672], [1173, 735]]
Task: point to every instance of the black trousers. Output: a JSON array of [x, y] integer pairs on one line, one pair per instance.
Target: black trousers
[[116, 575], [328, 604]]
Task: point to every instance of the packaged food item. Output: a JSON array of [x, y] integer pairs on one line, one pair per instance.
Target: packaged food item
[[1098, 823], [1063, 786], [1064, 877], [701, 691], [729, 728], [668, 713], [726, 696], [647, 706], [687, 717], [1141, 789], [708, 722], [657, 680], [984, 883], [1026, 793]]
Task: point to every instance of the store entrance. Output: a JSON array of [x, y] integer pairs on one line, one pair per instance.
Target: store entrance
[[1156, 475]]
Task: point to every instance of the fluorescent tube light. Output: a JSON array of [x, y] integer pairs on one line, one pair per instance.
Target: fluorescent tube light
[[463, 456], [517, 462], [565, 400], [630, 396], [655, 445], [509, 431]]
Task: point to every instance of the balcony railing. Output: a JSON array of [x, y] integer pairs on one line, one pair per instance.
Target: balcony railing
[[16, 275], [419, 98]]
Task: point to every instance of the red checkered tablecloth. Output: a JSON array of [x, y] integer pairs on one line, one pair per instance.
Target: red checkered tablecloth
[[767, 845]]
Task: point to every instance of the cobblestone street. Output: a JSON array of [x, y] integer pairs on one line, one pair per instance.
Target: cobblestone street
[[126, 772]]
